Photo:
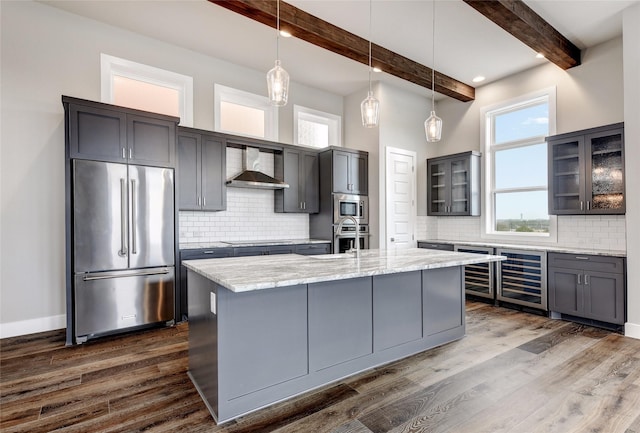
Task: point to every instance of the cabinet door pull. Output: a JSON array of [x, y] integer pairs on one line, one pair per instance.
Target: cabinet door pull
[[581, 205], [579, 278], [204, 201], [581, 258], [123, 219], [587, 279], [130, 153], [134, 218], [123, 154], [588, 204], [198, 199]]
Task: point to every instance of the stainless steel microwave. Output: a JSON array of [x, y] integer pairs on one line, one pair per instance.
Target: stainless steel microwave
[[356, 206]]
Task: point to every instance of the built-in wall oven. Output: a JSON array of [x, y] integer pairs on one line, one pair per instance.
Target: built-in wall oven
[[356, 206], [345, 240]]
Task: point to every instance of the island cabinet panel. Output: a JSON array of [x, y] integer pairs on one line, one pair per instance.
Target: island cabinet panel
[[203, 340], [260, 349], [443, 300], [340, 322], [397, 309]]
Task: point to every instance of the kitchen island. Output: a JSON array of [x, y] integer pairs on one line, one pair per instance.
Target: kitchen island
[[263, 329]]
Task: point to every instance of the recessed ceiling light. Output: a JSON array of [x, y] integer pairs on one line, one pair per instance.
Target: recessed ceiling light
[[376, 69], [478, 79], [285, 34], [539, 56]]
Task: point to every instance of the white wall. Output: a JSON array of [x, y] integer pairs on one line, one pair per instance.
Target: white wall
[[631, 28], [367, 139], [47, 53], [402, 116]]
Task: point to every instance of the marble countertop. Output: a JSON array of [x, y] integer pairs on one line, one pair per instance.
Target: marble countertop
[[242, 274], [548, 248], [249, 243]]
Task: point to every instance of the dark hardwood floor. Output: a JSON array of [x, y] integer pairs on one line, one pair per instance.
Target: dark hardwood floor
[[513, 372]]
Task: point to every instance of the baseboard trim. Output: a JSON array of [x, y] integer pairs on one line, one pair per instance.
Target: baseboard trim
[[632, 330], [31, 326]]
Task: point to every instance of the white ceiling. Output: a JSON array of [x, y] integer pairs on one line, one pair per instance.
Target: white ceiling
[[466, 44]]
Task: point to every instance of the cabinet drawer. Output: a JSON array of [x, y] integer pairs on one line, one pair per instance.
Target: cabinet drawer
[[313, 249], [435, 246], [205, 253], [586, 261]]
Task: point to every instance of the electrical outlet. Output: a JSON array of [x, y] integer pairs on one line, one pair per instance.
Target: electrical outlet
[[213, 303]]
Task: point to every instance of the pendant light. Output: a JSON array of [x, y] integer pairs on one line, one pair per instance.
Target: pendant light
[[278, 78], [370, 107], [433, 125]]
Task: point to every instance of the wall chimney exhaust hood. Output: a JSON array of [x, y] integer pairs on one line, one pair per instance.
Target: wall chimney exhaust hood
[[252, 176]]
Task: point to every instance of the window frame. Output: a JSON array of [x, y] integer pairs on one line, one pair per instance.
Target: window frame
[[333, 122], [240, 97], [487, 135], [111, 66]]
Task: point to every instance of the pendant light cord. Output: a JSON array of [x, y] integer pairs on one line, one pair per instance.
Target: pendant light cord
[[433, 62], [278, 30], [370, 9]]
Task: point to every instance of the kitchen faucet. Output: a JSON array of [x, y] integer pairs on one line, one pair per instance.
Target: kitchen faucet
[[357, 239]]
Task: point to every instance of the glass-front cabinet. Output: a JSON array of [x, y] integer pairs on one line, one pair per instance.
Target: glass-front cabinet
[[586, 172], [454, 185]]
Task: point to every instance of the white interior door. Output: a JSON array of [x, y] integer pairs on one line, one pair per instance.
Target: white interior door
[[400, 198]]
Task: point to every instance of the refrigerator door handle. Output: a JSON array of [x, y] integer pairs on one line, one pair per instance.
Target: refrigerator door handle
[[134, 218], [108, 275], [123, 218]]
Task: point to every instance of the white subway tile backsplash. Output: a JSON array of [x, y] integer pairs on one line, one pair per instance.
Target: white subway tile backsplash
[[605, 232], [249, 214]]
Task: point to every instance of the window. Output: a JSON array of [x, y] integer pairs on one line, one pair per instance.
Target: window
[[316, 128], [514, 132], [244, 113], [134, 85]]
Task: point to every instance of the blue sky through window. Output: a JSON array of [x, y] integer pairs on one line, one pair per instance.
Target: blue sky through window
[[521, 167]]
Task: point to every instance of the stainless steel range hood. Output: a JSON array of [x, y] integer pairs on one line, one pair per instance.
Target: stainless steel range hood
[[252, 176]]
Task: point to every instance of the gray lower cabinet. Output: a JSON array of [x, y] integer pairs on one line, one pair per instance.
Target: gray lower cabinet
[[587, 286], [313, 249], [181, 290], [202, 171], [214, 253]]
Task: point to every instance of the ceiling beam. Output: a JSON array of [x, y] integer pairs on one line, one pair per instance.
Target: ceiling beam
[[309, 28], [522, 22]]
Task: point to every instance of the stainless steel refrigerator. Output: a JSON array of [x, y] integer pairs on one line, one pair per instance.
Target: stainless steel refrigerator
[[123, 247]]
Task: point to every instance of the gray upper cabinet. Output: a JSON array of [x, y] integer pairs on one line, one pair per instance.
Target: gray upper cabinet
[[201, 171], [104, 132], [298, 168], [350, 172], [586, 171], [453, 185], [591, 287]]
